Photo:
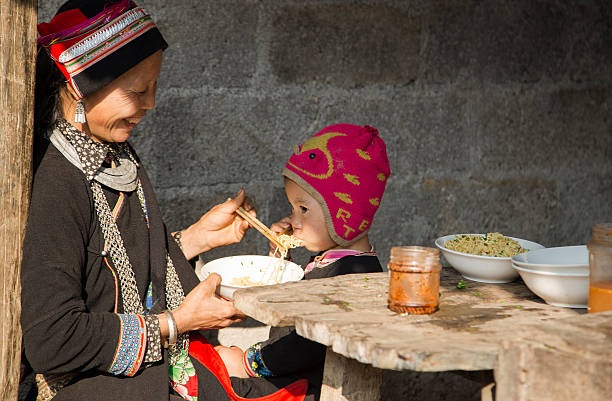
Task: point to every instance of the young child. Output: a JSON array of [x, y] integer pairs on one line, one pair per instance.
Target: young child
[[334, 183]]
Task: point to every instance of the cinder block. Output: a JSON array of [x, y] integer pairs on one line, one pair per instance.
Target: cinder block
[[425, 133], [345, 45], [481, 41], [205, 139], [416, 211], [47, 9], [519, 207], [586, 35], [586, 192], [211, 43], [534, 132], [182, 207]]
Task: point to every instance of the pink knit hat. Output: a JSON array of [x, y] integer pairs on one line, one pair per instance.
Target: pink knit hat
[[345, 168]]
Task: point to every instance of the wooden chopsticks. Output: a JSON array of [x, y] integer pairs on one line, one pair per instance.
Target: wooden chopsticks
[[261, 227]]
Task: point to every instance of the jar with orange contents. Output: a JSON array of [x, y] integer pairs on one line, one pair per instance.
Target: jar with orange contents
[[414, 279], [600, 266]]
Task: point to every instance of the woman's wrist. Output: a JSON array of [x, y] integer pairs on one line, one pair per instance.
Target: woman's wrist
[[182, 321], [172, 327], [191, 243], [163, 326], [171, 323]]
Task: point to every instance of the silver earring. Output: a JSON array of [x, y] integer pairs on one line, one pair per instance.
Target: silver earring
[[79, 115]]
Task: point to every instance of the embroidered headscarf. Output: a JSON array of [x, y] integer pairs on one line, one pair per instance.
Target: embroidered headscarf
[[95, 41], [345, 168]]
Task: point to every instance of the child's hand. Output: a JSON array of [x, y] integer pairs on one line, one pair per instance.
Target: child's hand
[[280, 227], [233, 359]]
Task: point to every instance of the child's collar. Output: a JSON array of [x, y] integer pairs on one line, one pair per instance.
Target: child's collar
[[340, 253], [330, 256]]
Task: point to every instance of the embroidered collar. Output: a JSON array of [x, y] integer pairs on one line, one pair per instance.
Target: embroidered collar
[[329, 257], [92, 154]]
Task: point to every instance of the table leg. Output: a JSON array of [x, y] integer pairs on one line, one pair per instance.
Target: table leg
[[346, 379], [486, 394]]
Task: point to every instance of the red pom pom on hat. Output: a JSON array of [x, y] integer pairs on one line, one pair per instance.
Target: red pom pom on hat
[[371, 130]]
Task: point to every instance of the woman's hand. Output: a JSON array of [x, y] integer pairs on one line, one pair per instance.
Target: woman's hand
[[219, 226], [280, 227], [202, 309], [233, 359]]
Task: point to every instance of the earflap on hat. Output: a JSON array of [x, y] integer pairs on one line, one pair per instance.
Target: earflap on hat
[[345, 167]]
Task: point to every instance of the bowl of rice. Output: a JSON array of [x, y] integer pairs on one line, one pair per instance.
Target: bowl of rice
[[243, 271], [484, 257]]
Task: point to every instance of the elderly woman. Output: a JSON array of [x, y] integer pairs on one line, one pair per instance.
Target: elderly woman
[[110, 302]]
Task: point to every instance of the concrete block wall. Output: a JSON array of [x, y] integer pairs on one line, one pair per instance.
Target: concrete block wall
[[496, 115]]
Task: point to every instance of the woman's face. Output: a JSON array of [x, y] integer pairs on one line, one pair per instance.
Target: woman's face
[[114, 111], [307, 219]]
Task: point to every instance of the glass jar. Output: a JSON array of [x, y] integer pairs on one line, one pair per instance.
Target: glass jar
[[414, 279], [600, 266]]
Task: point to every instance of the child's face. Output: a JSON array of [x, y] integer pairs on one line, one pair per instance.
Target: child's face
[[307, 219]]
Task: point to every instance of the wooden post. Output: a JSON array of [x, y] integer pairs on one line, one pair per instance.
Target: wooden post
[[346, 379], [17, 66]]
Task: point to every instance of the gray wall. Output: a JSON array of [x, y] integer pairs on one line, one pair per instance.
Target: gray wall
[[497, 115]]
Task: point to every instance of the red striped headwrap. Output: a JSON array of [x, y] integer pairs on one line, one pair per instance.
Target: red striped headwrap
[[93, 42]]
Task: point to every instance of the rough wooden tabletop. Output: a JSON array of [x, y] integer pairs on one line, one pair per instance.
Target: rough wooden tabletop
[[349, 313], [559, 360]]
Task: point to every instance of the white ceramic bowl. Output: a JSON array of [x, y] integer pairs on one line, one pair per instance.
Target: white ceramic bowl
[[563, 259], [257, 268], [486, 269], [570, 290]]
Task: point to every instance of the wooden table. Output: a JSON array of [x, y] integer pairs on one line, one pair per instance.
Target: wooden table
[[349, 314]]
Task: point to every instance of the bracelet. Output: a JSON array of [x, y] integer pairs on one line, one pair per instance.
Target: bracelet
[[172, 328], [177, 238]]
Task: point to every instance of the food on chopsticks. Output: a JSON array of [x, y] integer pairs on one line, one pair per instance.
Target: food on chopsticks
[[288, 242], [283, 241], [491, 244]]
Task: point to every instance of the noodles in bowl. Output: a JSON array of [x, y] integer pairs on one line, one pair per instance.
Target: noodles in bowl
[[491, 244], [245, 281], [484, 268], [245, 271]]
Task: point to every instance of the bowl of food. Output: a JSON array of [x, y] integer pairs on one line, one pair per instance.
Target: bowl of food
[[484, 257], [570, 290], [245, 271], [563, 259]]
